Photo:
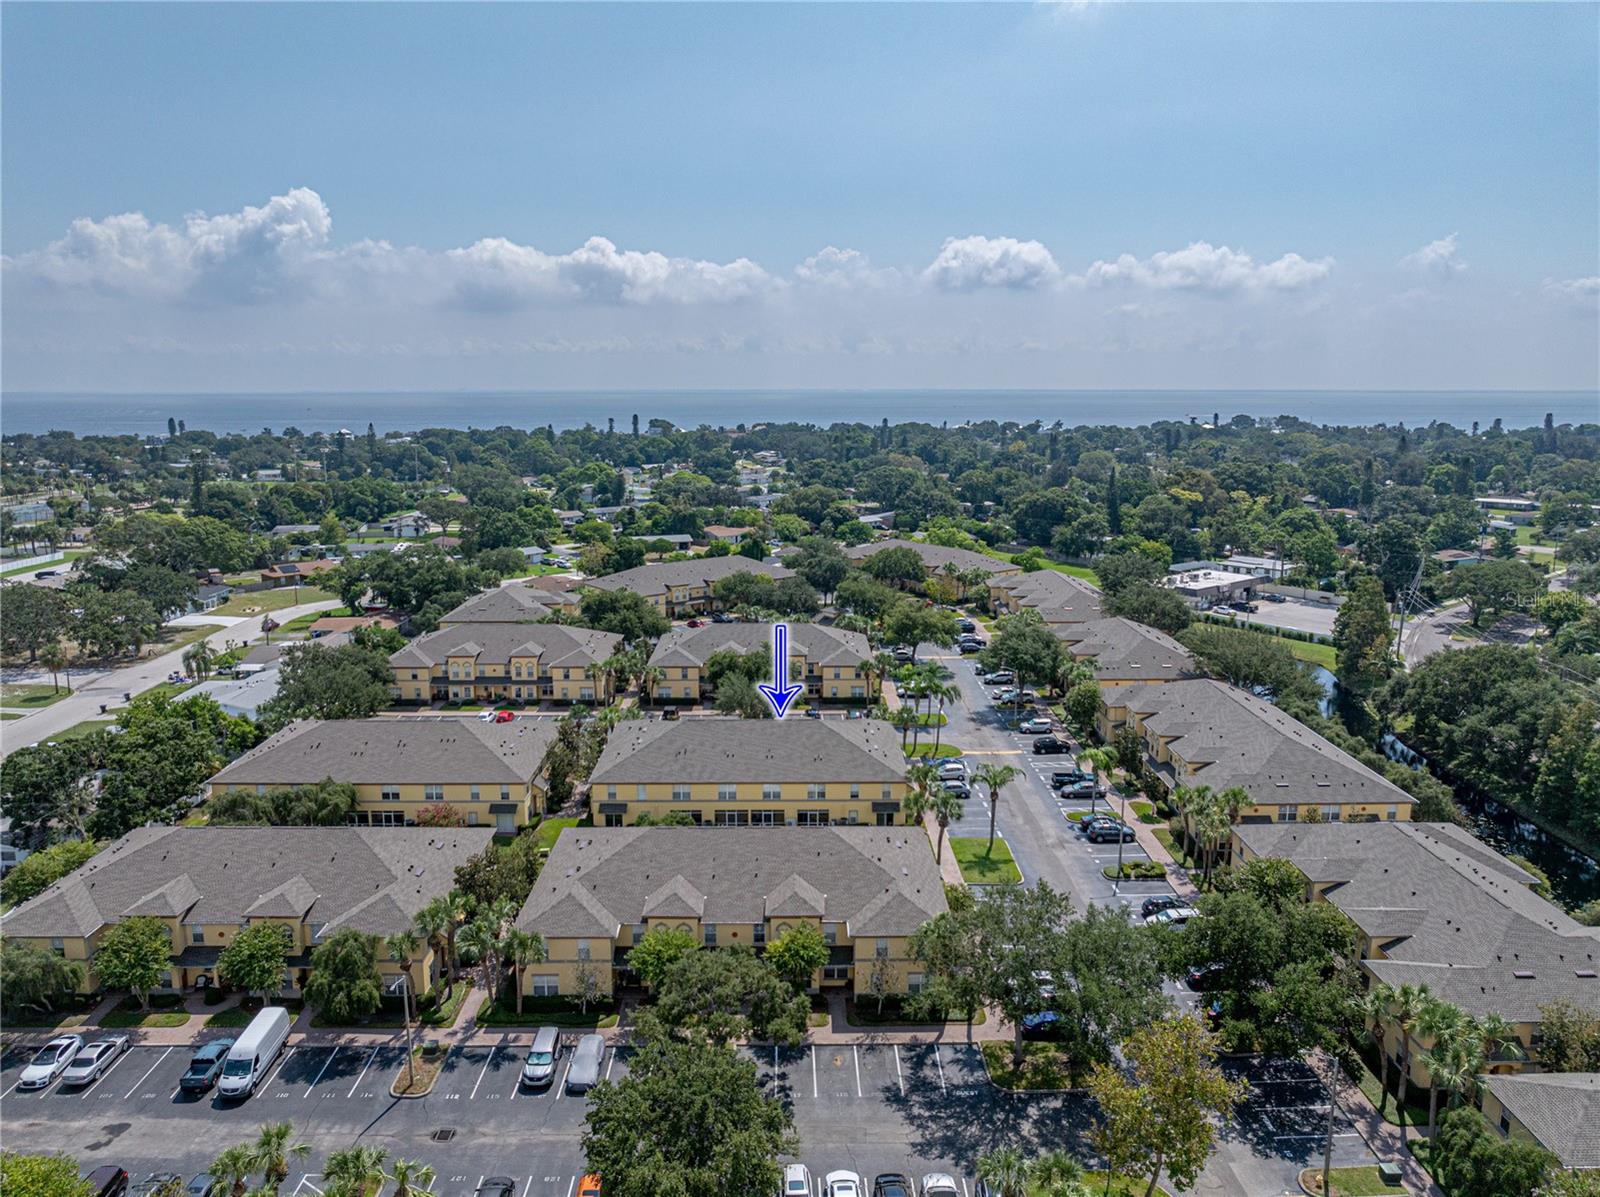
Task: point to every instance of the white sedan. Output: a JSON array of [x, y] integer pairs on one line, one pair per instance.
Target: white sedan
[[940, 1184], [842, 1183], [91, 1063], [51, 1062], [796, 1181]]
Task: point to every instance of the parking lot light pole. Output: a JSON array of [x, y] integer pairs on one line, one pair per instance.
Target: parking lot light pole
[[403, 984]]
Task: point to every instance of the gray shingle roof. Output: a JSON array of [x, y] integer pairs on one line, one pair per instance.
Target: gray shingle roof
[[1237, 739], [1123, 649], [506, 604], [1448, 911], [373, 879], [876, 880], [1560, 1109], [820, 644], [696, 571], [934, 556], [402, 751], [751, 750], [1058, 597], [560, 645]]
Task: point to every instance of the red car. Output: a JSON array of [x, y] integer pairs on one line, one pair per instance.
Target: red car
[[504, 716], [697, 623]]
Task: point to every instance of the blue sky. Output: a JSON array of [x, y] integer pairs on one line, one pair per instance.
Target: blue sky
[[1033, 195]]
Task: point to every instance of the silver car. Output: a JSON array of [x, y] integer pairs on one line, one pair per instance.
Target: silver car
[[583, 1073], [50, 1062], [91, 1063], [540, 1066]]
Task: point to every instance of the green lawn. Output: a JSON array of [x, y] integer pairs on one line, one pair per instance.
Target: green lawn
[[1318, 654], [167, 689], [78, 730], [256, 601], [31, 697], [979, 866], [1350, 1182], [537, 1011], [176, 638], [1077, 571], [166, 1011], [926, 749], [1121, 1186], [1044, 1066], [301, 622], [550, 829], [4, 715], [1367, 1081]]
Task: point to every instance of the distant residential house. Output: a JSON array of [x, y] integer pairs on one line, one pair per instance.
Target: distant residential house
[[678, 588], [246, 693], [448, 543], [516, 603], [570, 518], [533, 554], [295, 529], [409, 525], [209, 598], [359, 549], [505, 662], [724, 534], [1450, 558], [1058, 598], [269, 475], [290, 573]]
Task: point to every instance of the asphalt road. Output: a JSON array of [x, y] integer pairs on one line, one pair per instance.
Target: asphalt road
[[870, 1107], [106, 688]]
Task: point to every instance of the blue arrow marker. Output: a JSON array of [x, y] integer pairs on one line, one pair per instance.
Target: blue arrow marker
[[780, 694]]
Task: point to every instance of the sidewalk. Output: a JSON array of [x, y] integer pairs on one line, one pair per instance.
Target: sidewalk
[[839, 1030], [1382, 1138]]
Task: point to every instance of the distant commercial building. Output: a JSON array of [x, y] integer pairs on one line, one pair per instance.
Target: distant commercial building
[[1206, 587]]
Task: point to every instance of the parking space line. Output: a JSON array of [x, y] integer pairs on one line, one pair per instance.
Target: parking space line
[[856, 1052], [363, 1072], [95, 1084], [483, 1070], [813, 1070], [273, 1072], [146, 1076], [564, 1075], [940, 1064], [610, 1062], [899, 1076], [525, 1187], [571, 1184], [325, 1064]]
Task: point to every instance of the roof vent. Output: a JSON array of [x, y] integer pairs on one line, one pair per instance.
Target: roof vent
[[1522, 974]]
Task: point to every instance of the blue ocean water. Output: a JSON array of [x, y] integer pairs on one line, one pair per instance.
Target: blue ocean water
[[407, 411]]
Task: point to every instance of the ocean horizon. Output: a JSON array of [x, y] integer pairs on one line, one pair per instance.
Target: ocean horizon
[[147, 413]]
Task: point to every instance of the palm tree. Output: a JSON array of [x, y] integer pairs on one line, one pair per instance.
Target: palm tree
[[1446, 1025], [198, 659], [410, 1176], [947, 808], [402, 948], [1405, 1009], [1375, 1011], [354, 1171], [943, 693], [273, 1150], [54, 658], [1005, 1172], [433, 924], [905, 719], [879, 668], [1102, 761], [1499, 1038], [995, 778], [1057, 1174], [650, 677], [522, 948], [233, 1168], [480, 939], [915, 805]]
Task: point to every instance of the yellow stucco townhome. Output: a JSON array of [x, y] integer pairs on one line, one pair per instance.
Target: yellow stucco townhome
[[1559, 1111], [829, 662], [515, 604], [1204, 732], [1126, 653], [1433, 905], [940, 560], [209, 883], [491, 773], [681, 588], [505, 662], [1058, 598], [728, 772], [867, 889]]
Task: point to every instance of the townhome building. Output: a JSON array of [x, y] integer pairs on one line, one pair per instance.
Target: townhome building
[[831, 663], [727, 772], [209, 883], [682, 588], [1203, 732], [528, 603], [505, 662], [493, 774], [1433, 905], [1058, 598], [866, 889], [939, 559], [1560, 1111], [1125, 653]]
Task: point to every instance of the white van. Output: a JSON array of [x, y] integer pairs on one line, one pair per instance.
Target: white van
[[253, 1052]]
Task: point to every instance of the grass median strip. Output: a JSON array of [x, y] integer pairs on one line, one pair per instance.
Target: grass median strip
[[982, 866], [1349, 1182]]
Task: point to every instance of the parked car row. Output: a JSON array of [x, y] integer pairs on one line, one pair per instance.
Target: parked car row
[[73, 1061], [842, 1182], [112, 1181], [583, 1073]]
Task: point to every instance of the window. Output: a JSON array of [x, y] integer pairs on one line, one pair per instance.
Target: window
[[683, 674], [543, 986], [836, 972], [881, 949], [389, 818], [915, 982], [583, 949], [855, 792], [758, 934], [58, 945], [731, 818], [1392, 814], [389, 794], [505, 793], [1331, 813], [316, 932], [197, 933], [474, 795], [680, 791], [884, 818], [771, 793], [817, 791], [433, 793], [472, 818], [1505, 1123], [837, 673], [639, 793], [613, 819], [851, 818], [1288, 814], [727, 793], [812, 818], [830, 933], [763, 818], [611, 793], [884, 794], [638, 932], [711, 935], [858, 691]]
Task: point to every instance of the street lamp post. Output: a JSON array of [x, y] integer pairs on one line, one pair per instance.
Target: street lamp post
[[402, 984]]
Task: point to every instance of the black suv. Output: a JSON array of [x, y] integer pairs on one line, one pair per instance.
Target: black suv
[[1050, 744], [892, 1184], [1157, 904]]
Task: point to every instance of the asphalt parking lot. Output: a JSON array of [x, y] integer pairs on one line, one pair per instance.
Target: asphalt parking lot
[[1291, 613]]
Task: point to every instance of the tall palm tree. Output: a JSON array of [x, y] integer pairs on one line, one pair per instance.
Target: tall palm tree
[[1057, 1174], [233, 1168], [1005, 1172], [650, 677], [522, 948], [880, 667], [1446, 1025], [354, 1171], [943, 693], [198, 659], [1102, 761], [1499, 1038], [1375, 1011], [947, 808], [904, 718], [433, 924], [995, 778], [480, 939], [410, 1176], [1404, 1010], [915, 805], [274, 1147], [54, 658]]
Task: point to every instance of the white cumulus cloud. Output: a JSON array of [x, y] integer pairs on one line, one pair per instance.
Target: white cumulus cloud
[[1572, 288], [1439, 259], [1205, 267], [973, 263]]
